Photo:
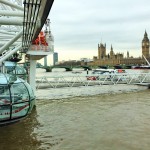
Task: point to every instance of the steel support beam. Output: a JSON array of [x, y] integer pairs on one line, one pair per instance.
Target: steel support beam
[[6, 32], [44, 11], [11, 13], [11, 41], [10, 53], [11, 21], [8, 3]]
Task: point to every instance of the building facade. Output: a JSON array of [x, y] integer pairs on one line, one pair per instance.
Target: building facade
[[113, 58], [145, 45], [55, 58]]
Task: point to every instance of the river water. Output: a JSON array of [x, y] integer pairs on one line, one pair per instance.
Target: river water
[[97, 122]]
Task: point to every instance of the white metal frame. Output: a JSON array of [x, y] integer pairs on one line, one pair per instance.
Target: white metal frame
[[16, 21], [11, 22], [80, 80]]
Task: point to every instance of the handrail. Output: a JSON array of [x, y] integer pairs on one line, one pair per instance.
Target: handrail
[[82, 80]]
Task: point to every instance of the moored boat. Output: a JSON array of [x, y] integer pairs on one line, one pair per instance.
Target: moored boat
[[103, 71], [100, 71], [141, 67]]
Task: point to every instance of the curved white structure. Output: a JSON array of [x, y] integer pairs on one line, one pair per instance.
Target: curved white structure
[[20, 23]]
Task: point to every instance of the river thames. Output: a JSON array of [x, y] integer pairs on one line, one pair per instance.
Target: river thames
[[109, 121]]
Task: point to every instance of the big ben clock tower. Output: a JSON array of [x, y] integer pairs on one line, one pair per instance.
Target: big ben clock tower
[[145, 45]]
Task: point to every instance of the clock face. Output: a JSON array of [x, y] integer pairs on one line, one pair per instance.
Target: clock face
[[144, 44]]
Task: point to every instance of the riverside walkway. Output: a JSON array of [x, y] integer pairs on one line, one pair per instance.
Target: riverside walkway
[[89, 80]]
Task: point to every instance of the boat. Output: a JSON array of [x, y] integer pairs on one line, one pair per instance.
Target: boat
[[100, 71], [142, 66], [76, 72], [92, 77], [104, 71]]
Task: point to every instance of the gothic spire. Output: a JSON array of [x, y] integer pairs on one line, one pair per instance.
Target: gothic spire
[[145, 39], [111, 48], [145, 34]]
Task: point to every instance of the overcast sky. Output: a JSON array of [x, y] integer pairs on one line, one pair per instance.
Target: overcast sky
[[79, 25]]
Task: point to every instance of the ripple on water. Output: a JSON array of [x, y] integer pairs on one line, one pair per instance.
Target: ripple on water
[[115, 121], [108, 122]]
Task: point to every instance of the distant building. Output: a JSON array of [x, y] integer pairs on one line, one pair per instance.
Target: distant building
[[86, 59], [70, 63], [145, 45], [55, 58], [113, 58]]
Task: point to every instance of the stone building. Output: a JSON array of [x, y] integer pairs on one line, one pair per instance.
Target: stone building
[[113, 58], [145, 46]]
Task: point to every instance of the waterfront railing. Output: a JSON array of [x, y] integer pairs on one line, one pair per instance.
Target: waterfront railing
[[89, 80]]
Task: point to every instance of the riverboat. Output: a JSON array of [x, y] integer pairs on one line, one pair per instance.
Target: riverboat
[[100, 71], [141, 67], [76, 72], [104, 71]]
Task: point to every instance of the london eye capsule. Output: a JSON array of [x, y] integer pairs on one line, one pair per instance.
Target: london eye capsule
[[16, 98]]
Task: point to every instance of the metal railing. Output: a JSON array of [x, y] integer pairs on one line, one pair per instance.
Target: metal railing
[[89, 80]]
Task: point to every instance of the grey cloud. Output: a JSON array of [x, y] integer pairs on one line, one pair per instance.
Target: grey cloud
[[84, 23]]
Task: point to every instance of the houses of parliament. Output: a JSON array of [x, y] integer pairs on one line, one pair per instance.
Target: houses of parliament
[[112, 59]]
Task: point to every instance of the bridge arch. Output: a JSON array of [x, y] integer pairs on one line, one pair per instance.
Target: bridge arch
[[50, 68]]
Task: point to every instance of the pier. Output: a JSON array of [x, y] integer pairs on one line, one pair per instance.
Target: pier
[[90, 80]]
